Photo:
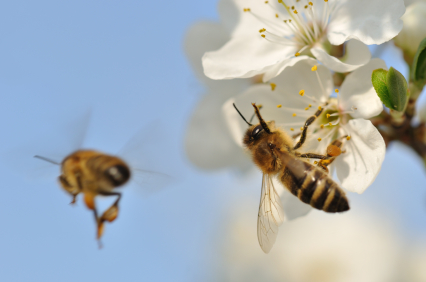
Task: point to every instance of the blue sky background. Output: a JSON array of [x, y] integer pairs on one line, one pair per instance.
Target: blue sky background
[[123, 61]]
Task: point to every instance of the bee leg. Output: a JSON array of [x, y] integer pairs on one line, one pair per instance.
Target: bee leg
[[308, 122], [311, 156], [333, 151], [112, 212], [70, 189]]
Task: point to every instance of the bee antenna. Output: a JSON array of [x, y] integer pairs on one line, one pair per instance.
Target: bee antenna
[[242, 115], [262, 122], [46, 159]]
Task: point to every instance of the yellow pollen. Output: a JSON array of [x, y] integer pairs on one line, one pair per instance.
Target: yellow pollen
[[263, 35], [319, 108], [315, 162], [328, 115], [325, 0], [297, 54], [329, 124], [292, 7], [289, 21], [306, 6], [285, 21], [314, 68], [273, 85], [295, 11], [336, 90], [262, 30], [280, 1], [302, 92], [319, 139], [246, 10], [294, 114], [292, 129], [310, 105], [348, 138], [266, 2], [279, 106], [306, 108], [276, 15], [310, 3], [322, 126], [301, 128]]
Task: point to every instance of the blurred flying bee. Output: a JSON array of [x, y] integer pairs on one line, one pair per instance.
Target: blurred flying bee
[[94, 173], [273, 152]]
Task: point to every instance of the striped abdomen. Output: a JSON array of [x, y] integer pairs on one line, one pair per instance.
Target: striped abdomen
[[314, 187]]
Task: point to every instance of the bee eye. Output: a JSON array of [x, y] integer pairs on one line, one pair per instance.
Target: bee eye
[[256, 131], [118, 174]]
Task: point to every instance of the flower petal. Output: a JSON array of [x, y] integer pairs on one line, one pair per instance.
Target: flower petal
[[357, 54], [278, 68], [365, 152], [208, 143], [357, 91], [244, 56], [372, 22], [200, 38]]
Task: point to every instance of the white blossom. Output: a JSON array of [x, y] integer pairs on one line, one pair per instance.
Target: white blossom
[[270, 34], [298, 92], [414, 29]]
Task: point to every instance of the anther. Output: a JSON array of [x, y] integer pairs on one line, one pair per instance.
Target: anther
[[266, 2], [310, 3], [336, 90], [328, 115], [292, 7], [325, 0], [263, 35], [297, 54], [302, 92], [319, 108], [262, 30], [273, 86], [319, 139], [329, 124], [292, 129], [306, 6], [294, 114], [301, 128], [314, 68], [309, 105], [322, 126], [279, 106], [306, 108], [315, 162], [295, 11], [348, 138], [276, 15]]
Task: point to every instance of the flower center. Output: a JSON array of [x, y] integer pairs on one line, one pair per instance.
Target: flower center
[[297, 23]]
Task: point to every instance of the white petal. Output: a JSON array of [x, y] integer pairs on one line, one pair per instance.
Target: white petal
[[357, 91], [261, 16], [365, 152], [200, 38], [292, 206], [244, 56], [208, 142], [357, 54], [278, 68], [370, 21]]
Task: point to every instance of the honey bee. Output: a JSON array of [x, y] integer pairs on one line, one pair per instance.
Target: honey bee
[[94, 173], [274, 152]]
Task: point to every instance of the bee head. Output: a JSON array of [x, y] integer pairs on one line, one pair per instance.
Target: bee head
[[257, 131], [118, 174]]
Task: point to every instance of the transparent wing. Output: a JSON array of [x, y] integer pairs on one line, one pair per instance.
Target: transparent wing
[[270, 215], [148, 154]]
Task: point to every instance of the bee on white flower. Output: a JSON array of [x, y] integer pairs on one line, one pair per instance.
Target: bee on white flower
[[297, 93]]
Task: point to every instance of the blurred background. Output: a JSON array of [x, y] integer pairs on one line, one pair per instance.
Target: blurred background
[[124, 62]]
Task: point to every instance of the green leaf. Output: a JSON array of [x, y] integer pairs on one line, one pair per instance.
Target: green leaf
[[398, 89], [418, 71], [380, 85]]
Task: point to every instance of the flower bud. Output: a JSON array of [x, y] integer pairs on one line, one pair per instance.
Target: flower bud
[[413, 31]]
